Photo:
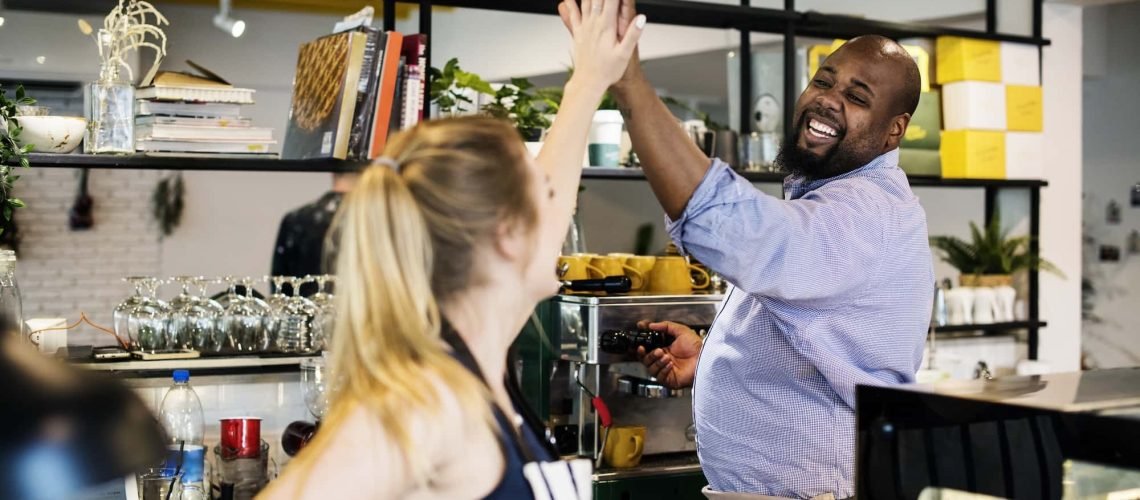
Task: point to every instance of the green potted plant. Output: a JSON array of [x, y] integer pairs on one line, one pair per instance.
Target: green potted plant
[[11, 152], [452, 88], [991, 257], [524, 106]]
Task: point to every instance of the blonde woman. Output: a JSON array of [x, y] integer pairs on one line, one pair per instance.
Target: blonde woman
[[446, 246]]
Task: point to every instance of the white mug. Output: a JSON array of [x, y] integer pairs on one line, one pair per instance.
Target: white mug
[[960, 305], [1006, 298], [985, 302]]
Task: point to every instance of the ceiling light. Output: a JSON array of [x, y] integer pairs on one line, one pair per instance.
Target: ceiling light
[[223, 21], [1, 20], [41, 59]]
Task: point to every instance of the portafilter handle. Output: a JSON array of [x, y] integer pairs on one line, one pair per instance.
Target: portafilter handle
[[610, 284]]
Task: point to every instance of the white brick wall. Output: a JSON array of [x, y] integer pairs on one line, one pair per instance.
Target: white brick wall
[[64, 272]]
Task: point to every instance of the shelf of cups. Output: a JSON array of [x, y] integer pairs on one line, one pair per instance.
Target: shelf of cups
[[235, 365]]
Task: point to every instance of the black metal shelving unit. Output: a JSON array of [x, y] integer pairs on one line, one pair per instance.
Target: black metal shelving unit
[[747, 19]]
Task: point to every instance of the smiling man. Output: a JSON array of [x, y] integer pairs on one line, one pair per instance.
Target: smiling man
[[831, 284]]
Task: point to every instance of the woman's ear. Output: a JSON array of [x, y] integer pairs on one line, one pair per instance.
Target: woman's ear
[[510, 240]]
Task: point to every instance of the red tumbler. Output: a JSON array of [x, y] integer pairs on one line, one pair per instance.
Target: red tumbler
[[241, 437]]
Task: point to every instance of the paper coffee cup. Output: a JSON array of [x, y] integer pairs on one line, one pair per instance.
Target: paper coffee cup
[[605, 138]]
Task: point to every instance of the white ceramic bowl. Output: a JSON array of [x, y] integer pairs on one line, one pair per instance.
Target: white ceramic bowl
[[52, 134]]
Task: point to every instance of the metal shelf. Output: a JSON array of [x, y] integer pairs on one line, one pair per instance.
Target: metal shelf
[[991, 327], [236, 365], [777, 178], [815, 24], [198, 163], [676, 12], [756, 19]]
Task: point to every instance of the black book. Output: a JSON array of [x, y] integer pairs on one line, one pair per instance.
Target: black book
[[366, 96]]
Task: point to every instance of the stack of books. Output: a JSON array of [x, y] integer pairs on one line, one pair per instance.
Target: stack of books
[[181, 114], [352, 89]]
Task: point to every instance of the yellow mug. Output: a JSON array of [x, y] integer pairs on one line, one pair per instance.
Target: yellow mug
[[640, 265], [673, 275], [623, 256], [611, 265], [577, 267], [624, 445]]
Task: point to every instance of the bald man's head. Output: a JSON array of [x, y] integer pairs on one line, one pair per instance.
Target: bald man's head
[[856, 108]]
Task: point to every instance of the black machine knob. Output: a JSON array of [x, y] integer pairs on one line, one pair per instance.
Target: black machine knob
[[625, 341]]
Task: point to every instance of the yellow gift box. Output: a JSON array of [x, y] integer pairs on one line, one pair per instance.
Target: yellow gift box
[[973, 154], [957, 59], [1023, 108]]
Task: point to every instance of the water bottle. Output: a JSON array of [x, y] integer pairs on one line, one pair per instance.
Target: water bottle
[[181, 414], [10, 302]]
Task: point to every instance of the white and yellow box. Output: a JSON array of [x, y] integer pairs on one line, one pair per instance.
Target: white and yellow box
[[1020, 64], [973, 106], [966, 59], [1024, 155], [1024, 108], [973, 154]]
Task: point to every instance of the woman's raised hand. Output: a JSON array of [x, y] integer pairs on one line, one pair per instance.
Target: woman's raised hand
[[600, 57]]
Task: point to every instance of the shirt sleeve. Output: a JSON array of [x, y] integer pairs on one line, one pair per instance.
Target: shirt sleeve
[[819, 250]]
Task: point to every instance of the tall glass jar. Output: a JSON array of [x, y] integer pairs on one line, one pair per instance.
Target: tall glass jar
[[11, 305], [109, 106]]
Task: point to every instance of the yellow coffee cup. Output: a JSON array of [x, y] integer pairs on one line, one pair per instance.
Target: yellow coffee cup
[[577, 267], [640, 266], [624, 445], [611, 265], [673, 275]]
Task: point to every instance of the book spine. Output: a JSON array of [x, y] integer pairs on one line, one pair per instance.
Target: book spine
[[361, 114], [348, 94], [387, 91]]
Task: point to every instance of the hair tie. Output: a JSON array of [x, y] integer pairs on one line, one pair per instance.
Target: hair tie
[[388, 162]]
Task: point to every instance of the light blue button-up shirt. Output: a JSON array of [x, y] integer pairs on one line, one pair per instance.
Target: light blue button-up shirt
[[832, 288]]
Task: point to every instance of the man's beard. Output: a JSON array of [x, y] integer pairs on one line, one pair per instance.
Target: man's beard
[[801, 162]]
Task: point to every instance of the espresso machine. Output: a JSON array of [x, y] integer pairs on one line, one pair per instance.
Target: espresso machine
[[594, 338]]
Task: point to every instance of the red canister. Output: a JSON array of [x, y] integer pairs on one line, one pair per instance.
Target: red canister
[[241, 437]]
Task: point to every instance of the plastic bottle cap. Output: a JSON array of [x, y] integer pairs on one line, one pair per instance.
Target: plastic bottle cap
[[181, 376]]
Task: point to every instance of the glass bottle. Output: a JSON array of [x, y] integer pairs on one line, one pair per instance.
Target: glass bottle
[[11, 304]]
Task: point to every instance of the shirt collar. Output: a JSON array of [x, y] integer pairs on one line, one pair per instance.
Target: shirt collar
[[795, 186]]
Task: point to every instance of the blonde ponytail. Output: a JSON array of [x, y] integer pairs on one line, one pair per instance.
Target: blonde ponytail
[[407, 240]]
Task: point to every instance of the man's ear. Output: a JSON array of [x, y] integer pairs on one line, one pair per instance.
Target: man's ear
[[897, 131]]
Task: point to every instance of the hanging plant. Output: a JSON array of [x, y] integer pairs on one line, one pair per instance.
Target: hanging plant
[[167, 203], [11, 152]]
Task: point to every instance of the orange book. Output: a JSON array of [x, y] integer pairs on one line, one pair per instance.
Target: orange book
[[381, 122]]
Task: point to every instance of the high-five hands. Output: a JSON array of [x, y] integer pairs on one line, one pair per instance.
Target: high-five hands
[[605, 35]]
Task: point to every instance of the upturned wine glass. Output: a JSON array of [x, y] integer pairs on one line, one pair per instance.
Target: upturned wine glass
[[207, 334], [122, 311], [295, 327], [149, 321], [183, 319], [243, 320], [326, 313]]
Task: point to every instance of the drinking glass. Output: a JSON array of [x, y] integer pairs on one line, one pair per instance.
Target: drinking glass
[[326, 313], [261, 339], [156, 483], [181, 335], [207, 335], [122, 311], [231, 295], [275, 301], [314, 386], [295, 327], [243, 320], [148, 322]]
